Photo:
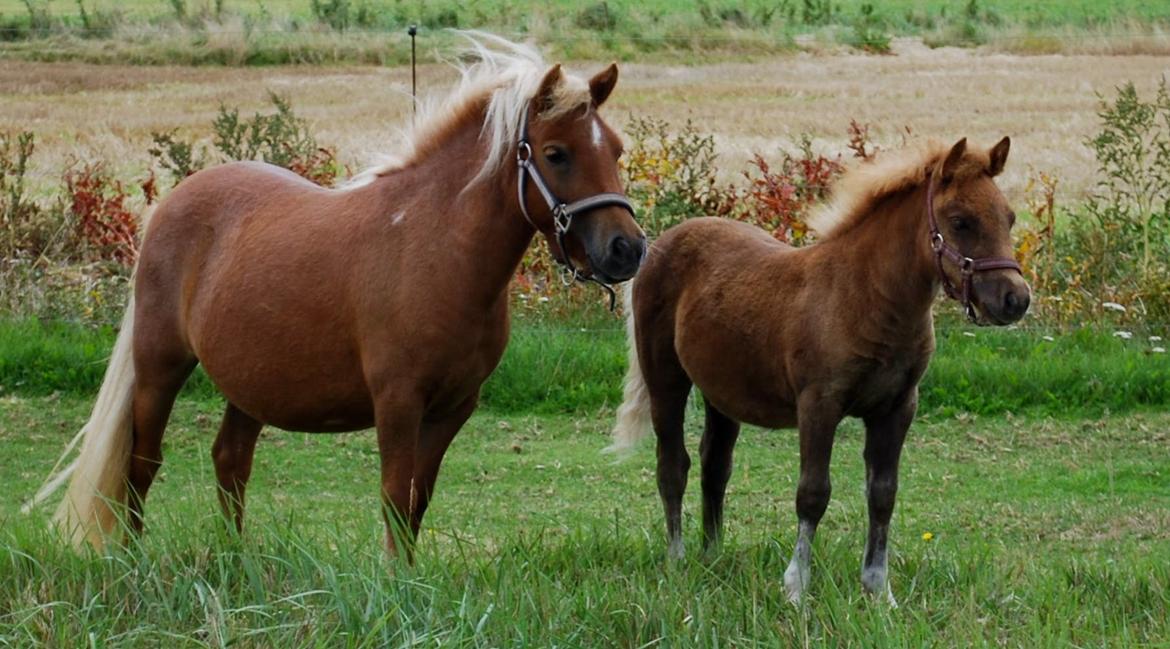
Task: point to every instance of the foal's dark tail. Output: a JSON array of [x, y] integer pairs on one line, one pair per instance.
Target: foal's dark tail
[[633, 417]]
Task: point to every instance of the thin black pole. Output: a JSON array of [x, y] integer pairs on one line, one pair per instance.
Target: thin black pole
[[413, 77]]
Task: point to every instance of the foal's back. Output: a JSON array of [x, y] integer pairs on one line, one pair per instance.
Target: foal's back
[[754, 322]]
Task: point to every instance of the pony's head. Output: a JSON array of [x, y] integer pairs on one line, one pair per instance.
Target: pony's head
[[573, 162], [973, 218]]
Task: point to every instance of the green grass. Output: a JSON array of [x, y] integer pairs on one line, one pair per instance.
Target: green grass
[[1046, 533], [553, 368], [372, 31]]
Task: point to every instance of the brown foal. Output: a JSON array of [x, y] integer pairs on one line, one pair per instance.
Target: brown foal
[[383, 303], [781, 337]]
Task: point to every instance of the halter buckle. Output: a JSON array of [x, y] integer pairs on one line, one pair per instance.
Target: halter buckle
[[967, 266], [523, 153]]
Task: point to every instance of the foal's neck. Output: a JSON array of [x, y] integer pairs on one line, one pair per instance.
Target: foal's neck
[[892, 247]]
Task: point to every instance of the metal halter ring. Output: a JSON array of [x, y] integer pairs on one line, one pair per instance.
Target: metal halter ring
[[562, 212]]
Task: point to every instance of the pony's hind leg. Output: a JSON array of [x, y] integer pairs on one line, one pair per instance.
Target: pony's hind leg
[[818, 425], [232, 454], [883, 447], [157, 382], [715, 449]]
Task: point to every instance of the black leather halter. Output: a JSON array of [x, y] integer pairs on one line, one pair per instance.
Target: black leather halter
[[967, 266], [562, 213]]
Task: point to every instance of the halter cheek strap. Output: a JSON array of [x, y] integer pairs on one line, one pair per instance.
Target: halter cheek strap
[[562, 213], [967, 266]]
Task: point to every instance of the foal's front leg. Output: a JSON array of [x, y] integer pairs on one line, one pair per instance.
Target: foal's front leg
[[398, 422], [818, 421], [883, 447]]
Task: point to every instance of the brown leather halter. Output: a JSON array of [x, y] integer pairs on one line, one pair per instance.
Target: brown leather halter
[[967, 266], [562, 212]]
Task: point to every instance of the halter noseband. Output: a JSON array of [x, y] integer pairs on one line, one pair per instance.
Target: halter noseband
[[967, 266], [562, 212]]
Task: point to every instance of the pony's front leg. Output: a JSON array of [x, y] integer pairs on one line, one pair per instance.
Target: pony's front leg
[[818, 419], [883, 447], [398, 424]]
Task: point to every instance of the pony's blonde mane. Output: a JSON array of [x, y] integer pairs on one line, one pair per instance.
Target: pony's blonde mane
[[498, 83], [860, 190]]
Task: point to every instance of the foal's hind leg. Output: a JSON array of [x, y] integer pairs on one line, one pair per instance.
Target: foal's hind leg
[[232, 453], [715, 450], [161, 365], [668, 403], [883, 448], [818, 424]]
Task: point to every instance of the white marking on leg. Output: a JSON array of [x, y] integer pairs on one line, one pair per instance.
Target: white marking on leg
[[875, 576], [597, 133], [676, 551], [397, 218], [796, 576]]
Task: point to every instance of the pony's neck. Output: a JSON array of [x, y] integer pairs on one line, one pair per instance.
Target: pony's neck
[[479, 227], [893, 251]]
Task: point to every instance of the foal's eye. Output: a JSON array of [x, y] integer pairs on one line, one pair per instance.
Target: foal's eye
[[963, 224], [555, 155]]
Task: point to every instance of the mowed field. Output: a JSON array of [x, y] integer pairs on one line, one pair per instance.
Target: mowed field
[[1039, 529], [1047, 104]]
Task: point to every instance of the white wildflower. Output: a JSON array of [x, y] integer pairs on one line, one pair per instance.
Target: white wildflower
[[1124, 335], [1113, 306]]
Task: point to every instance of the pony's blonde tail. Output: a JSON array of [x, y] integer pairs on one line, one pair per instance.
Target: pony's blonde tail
[[97, 478], [633, 416]]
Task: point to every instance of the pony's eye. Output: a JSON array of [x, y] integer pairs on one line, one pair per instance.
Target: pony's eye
[[555, 155]]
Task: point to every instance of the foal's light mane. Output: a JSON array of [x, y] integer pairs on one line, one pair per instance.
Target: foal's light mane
[[499, 82], [859, 191]]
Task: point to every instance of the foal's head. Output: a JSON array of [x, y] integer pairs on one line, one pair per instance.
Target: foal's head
[[577, 153], [974, 217]]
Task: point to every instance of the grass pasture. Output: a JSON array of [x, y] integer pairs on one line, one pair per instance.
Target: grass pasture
[[235, 32], [1046, 527], [1045, 531]]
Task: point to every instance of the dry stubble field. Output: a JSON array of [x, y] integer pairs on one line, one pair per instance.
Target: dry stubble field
[[1046, 104]]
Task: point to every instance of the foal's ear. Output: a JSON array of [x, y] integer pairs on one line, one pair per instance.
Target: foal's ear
[[998, 156], [546, 94], [951, 163], [602, 84]]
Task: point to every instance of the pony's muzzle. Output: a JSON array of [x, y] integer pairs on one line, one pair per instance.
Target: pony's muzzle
[[621, 258]]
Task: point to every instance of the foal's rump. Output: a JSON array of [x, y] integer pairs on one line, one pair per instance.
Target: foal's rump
[[709, 290]]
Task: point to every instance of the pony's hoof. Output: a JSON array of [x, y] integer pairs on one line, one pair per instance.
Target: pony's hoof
[[675, 552]]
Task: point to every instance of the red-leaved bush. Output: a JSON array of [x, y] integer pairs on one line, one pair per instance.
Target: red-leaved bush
[[104, 223]]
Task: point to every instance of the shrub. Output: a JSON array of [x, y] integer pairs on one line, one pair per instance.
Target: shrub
[[175, 155], [17, 210], [104, 222], [869, 32]]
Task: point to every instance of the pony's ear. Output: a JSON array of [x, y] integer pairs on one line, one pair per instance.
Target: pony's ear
[[602, 84], [998, 156], [546, 94], [951, 163]]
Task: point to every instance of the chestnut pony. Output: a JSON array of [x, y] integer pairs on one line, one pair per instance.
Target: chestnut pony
[[781, 337], [383, 303]]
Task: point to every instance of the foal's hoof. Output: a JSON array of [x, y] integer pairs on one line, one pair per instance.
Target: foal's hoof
[[675, 552], [795, 580]]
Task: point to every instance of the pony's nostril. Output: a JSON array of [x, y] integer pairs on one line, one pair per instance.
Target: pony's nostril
[[621, 249]]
